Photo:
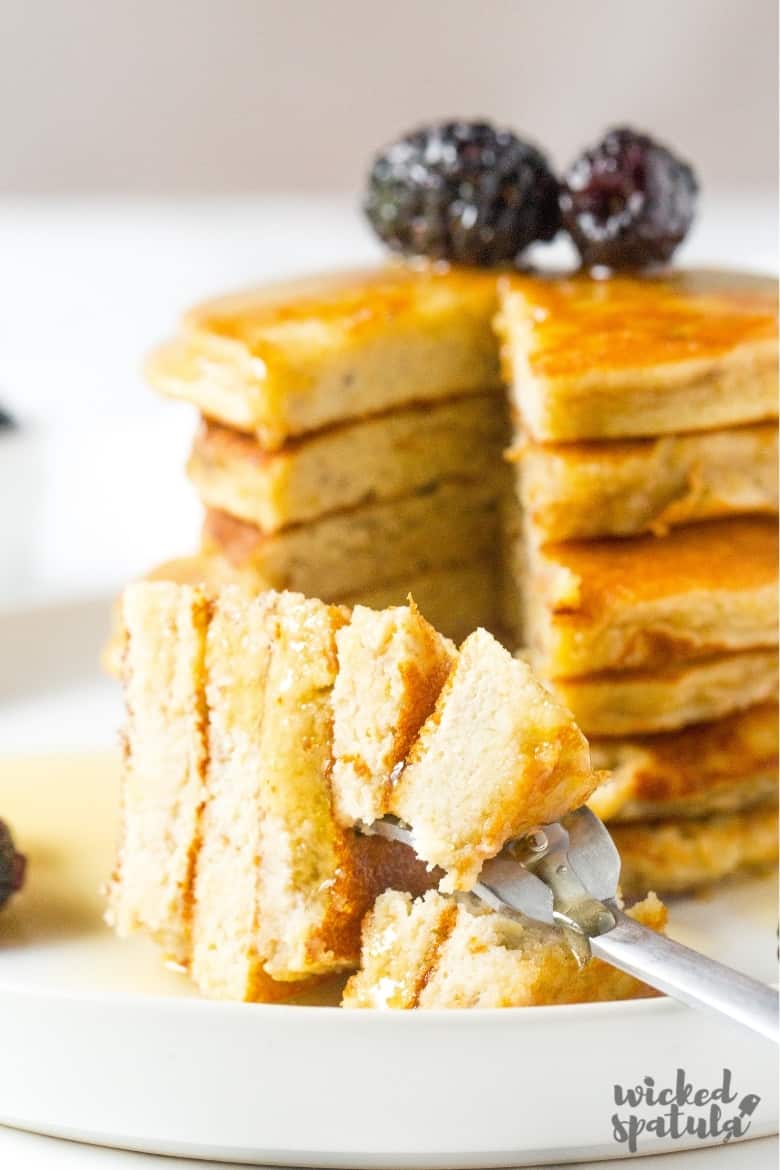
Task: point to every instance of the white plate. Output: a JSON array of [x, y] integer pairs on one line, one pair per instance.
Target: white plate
[[97, 1042]]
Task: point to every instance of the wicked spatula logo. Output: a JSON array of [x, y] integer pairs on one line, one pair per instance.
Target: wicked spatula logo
[[681, 1109]]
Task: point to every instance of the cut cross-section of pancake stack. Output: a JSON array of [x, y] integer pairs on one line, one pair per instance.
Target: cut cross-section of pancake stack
[[352, 438], [259, 732], [646, 459], [351, 448]]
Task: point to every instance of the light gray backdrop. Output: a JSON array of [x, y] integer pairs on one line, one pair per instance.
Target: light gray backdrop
[[239, 95]]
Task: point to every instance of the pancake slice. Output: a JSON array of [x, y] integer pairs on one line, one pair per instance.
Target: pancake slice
[[392, 667], [281, 889], [469, 751], [639, 356], [650, 601], [290, 359], [497, 756], [343, 467], [226, 959], [438, 953], [341, 555], [676, 856], [625, 487], [639, 702], [721, 766], [165, 760]]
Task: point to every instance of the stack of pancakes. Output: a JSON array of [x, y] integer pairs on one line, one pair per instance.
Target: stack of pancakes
[[351, 438], [352, 446], [647, 475]]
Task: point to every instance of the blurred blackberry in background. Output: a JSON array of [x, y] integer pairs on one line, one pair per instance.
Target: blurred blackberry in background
[[7, 421], [628, 202], [12, 865], [462, 191]]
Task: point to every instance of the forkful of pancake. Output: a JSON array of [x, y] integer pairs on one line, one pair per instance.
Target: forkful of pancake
[[310, 789], [493, 793]]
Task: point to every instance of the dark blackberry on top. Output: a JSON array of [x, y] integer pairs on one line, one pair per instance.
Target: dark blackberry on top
[[628, 202], [462, 191], [12, 865]]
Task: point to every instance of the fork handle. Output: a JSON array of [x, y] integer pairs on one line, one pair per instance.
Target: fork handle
[[688, 976]]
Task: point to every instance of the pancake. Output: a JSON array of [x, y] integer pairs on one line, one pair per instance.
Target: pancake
[[165, 755], [639, 356], [643, 603], [438, 953], [230, 856], [392, 668], [495, 756], [637, 702], [629, 486], [677, 856], [345, 466], [728, 764], [338, 556], [291, 358]]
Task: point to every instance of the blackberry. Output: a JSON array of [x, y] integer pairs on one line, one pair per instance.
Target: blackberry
[[12, 865], [462, 191], [6, 420], [628, 202]]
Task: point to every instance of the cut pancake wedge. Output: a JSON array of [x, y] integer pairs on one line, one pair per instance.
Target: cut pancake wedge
[[644, 603], [594, 359], [496, 756], [392, 668], [472, 756]]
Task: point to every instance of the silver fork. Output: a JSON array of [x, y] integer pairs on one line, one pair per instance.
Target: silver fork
[[567, 875]]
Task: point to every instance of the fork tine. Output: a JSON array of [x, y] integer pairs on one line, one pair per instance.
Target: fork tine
[[593, 854]]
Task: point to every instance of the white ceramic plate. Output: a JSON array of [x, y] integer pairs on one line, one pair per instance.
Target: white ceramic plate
[[98, 1043]]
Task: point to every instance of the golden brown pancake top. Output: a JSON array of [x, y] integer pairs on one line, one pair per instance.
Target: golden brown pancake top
[[735, 554], [354, 301], [581, 324]]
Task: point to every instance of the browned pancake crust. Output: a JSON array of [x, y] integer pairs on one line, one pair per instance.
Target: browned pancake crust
[[734, 553], [585, 326]]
